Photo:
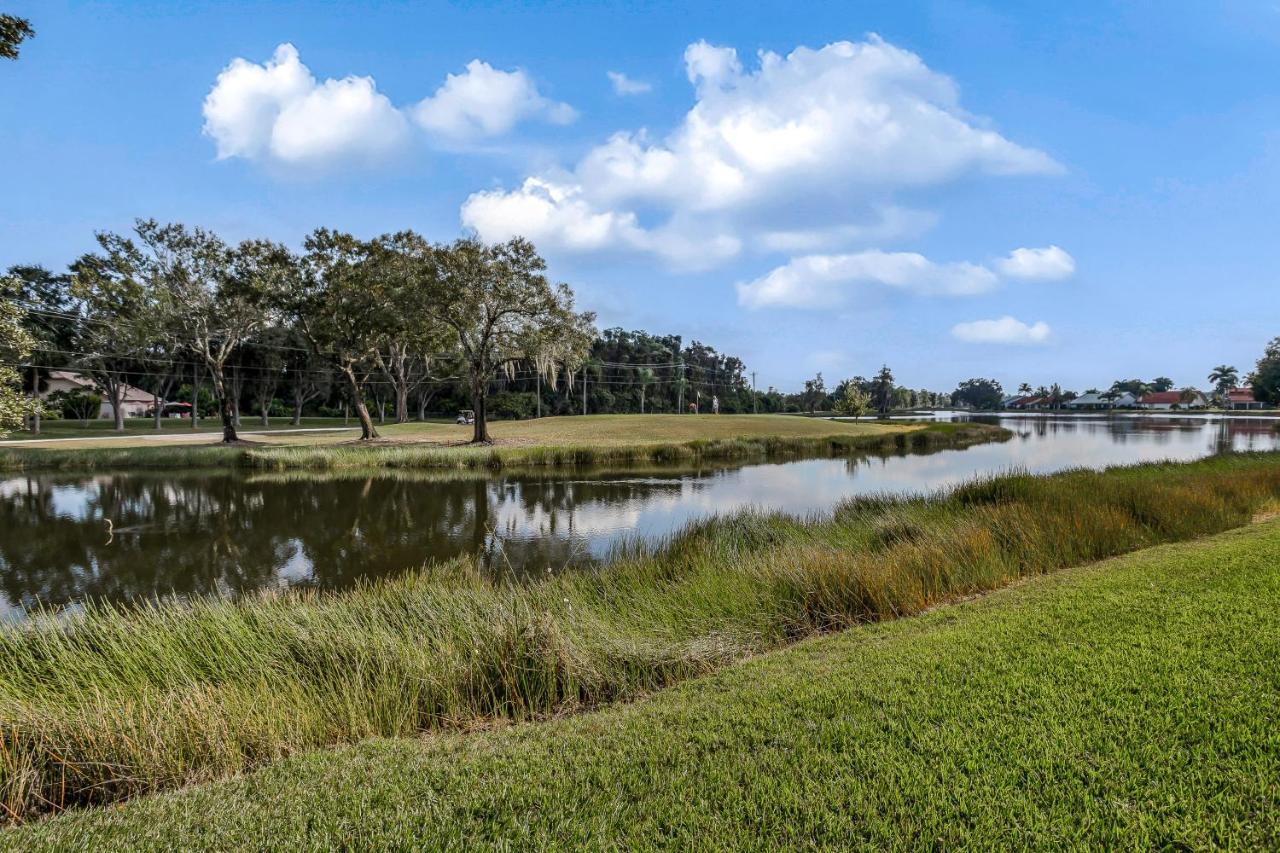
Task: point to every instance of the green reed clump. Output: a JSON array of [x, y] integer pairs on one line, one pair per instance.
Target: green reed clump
[[114, 701]]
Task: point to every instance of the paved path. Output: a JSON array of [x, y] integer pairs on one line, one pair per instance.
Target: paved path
[[170, 438]]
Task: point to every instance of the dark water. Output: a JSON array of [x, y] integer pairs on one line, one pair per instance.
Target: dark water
[[227, 532]]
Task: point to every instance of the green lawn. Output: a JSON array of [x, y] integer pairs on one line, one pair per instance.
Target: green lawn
[[552, 440], [142, 427], [1131, 703], [599, 430]]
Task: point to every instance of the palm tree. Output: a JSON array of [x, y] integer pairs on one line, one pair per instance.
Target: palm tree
[[1025, 389], [1224, 377], [645, 377]]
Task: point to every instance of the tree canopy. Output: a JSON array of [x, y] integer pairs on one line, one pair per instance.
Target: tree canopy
[[1265, 379], [503, 312], [13, 31], [979, 394], [15, 345]]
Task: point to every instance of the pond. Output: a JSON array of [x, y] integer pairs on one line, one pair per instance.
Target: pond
[[226, 532]]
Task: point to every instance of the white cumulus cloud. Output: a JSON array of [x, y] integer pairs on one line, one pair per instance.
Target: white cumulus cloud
[[820, 281], [624, 85], [1048, 264], [811, 141], [485, 101], [278, 113], [1005, 330]]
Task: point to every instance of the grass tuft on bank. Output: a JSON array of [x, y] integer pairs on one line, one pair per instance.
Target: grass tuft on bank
[[115, 702], [1125, 704]]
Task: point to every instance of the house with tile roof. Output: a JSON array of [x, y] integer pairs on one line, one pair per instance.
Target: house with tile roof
[[1187, 398], [134, 401]]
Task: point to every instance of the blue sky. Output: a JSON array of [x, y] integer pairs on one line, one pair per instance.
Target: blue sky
[[1034, 192]]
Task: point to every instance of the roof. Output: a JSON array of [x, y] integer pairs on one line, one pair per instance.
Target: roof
[[72, 377], [128, 393], [1168, 396], [1241, 395]]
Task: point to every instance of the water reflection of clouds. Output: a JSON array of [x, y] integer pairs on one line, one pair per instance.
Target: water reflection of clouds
[[190, 533]]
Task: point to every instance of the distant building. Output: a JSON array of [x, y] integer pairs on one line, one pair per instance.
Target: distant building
[[1242, 398], [1096, 400], [1185, 399], [1034, 402], [134, 402]]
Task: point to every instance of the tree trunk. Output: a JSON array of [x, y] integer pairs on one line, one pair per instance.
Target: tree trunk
[[115, 393], [35, 411], [159, 410], [367, 430], [297, 410], [265, 409], [479, 400], [195, 397], [402, 402], [225, 408]]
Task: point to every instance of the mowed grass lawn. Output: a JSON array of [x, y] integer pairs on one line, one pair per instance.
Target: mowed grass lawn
[[101, 432], [594, 430], [1130, 703]]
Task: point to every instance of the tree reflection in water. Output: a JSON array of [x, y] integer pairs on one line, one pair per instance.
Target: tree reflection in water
[[226, 532]]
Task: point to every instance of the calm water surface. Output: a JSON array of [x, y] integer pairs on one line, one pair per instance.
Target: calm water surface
[[227, 532]]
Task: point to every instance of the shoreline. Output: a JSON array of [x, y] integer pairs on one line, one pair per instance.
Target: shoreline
[[425, 454], [164, 695]]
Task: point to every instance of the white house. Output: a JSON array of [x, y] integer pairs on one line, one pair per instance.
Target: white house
[[1097, 400], [134, 401]]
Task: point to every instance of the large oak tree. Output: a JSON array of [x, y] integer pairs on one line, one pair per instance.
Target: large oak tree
[[502, 313]]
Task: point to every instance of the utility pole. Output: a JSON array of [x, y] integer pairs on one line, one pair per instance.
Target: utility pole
[[755, 400], [195, 395], [584, 389], [680, 387], [539, 393]]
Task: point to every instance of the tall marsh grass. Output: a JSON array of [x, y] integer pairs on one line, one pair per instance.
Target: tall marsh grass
[[114, 702]]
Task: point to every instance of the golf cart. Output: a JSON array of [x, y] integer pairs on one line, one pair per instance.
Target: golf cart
[[465, 417]]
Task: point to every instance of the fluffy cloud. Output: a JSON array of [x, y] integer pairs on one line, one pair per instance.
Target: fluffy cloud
[[809, 141], [624, 85], [820, 281], [484, 101], [278, 113], [1049, 264], [1005, 330]]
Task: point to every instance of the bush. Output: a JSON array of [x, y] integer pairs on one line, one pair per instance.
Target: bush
[[74, 405], [510, 405]]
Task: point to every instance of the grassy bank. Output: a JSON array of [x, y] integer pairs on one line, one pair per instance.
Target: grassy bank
[[114, 703], [590, 440], [103, 430], [1127, 704]]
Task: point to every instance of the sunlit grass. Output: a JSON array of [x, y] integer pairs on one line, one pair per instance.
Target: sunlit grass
[[114, 701], [1127, 704], [611, 439]]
